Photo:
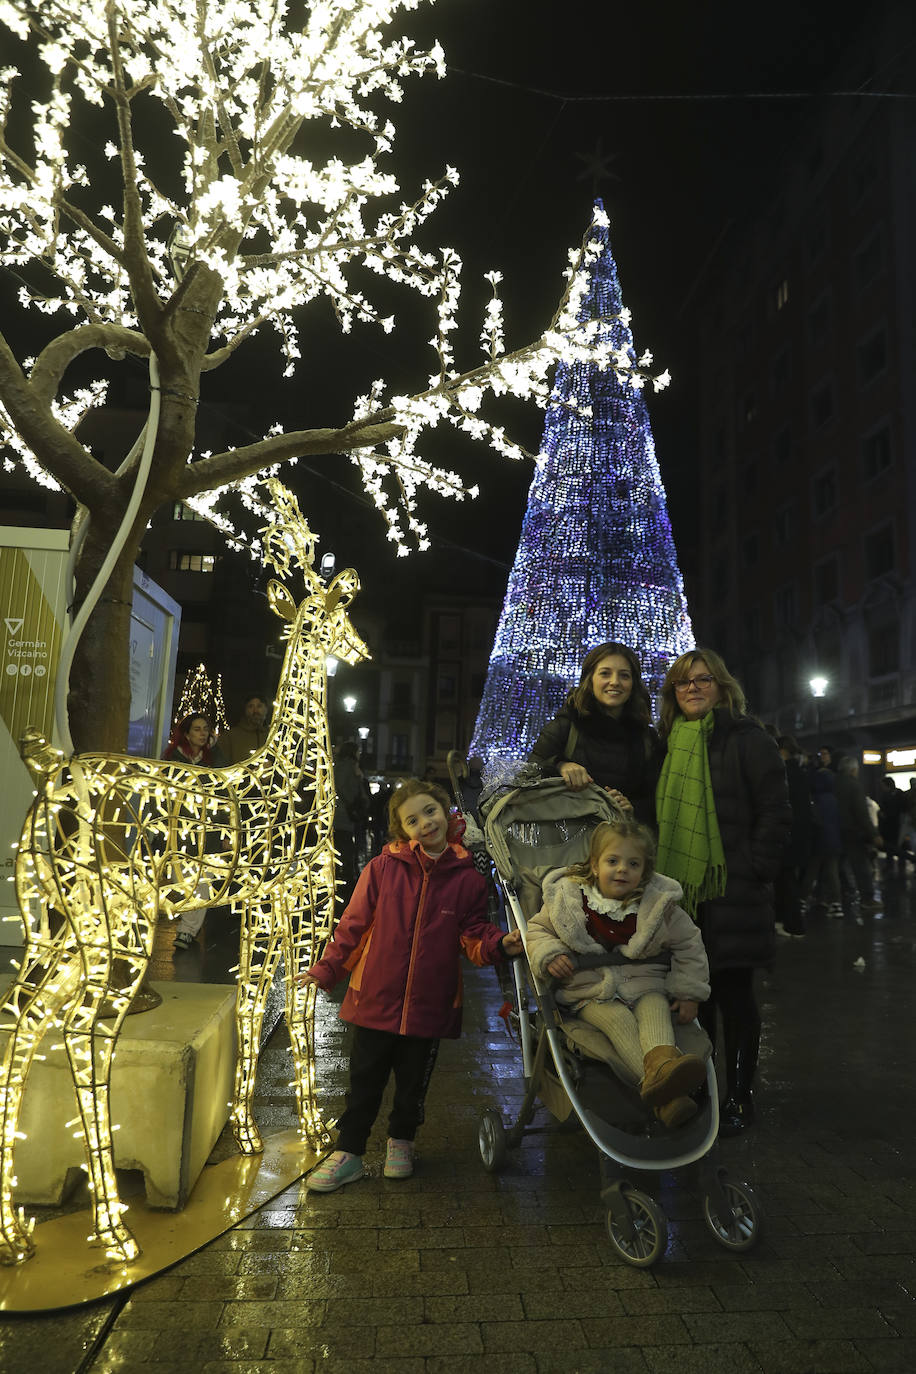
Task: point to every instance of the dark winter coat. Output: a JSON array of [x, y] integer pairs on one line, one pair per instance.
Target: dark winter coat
[[617, 752], [827, 843], [400, 939], [752, 806], [855, 822], [801, 839]]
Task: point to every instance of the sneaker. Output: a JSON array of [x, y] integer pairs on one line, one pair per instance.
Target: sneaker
[[399, 1159], [339, 1168], [781, 930], [835, 909], [183, 940]]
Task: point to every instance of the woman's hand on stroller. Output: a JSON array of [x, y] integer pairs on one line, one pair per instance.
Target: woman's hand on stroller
[[684, 1010], [560, 967], [574, 775], [511, 944]]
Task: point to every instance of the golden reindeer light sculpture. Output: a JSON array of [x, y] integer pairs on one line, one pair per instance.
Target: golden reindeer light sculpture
[[111, 841]]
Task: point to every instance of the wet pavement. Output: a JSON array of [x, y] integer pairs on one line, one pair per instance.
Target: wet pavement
[[456, 1269]]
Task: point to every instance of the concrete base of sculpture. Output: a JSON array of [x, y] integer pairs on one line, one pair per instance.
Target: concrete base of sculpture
[[172, 1081]]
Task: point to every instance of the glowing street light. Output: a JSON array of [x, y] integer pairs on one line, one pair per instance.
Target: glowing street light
[[819, 686], [349, 704]]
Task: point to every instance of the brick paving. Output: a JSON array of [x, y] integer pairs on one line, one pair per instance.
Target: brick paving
[[458, 1270]]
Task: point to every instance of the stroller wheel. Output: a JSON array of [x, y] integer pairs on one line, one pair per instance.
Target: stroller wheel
[[491, 1138], [742, 1229], [639, 1233]]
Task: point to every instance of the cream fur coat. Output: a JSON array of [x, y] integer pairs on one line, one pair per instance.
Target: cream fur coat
[[661, 927]]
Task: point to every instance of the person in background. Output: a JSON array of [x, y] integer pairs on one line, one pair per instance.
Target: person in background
[[250, 733], [191, 742], [416, 907], [351, 812], [603, 733], [821, 881], [723, 824], [891, 812], [787, 886], [857, 834]]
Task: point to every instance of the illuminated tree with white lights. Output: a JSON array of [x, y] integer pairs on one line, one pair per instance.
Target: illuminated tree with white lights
[[176, 177], [596, 559]]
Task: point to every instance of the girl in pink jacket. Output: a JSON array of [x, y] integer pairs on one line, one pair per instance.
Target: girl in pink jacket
[[415, 907]]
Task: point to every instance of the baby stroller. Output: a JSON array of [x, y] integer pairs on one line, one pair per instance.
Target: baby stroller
[[571, 1067]]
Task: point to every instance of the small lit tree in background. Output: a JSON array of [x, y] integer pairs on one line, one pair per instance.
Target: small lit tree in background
[[175, 178], [200, 693], [596, 559]]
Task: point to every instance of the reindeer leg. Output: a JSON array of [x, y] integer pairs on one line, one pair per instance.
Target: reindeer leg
[[259, 956], [307, 922], [32, 1010]]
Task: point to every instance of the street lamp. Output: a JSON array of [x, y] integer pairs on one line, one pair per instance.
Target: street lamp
[[349, 704], [818, 687]]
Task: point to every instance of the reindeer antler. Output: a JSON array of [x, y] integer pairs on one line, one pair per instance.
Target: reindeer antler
[[288, 537]]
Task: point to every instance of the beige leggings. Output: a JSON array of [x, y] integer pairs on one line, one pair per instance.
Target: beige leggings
[[633, 1031]]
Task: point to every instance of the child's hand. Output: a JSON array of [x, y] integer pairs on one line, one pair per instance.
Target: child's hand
[[561, 967], [512, 944], [619, 800], [686, 1010], [303, 980]]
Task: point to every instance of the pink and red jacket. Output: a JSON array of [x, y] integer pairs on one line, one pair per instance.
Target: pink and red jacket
[[400, 938]]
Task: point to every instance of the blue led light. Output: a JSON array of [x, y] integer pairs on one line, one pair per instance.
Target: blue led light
[[596, 559]]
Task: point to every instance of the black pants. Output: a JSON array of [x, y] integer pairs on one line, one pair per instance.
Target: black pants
[[374, 1055], [732, 998]]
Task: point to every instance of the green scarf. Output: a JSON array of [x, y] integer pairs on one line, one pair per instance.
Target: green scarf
[[689, 844]]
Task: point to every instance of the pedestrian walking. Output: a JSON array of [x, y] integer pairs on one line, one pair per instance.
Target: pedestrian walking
[[417, 905]]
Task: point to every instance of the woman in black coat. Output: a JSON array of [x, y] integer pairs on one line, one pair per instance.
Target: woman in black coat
[[723, 814], [603, 735]]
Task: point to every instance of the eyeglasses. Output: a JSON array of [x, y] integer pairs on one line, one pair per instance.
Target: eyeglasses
[[702, 683]]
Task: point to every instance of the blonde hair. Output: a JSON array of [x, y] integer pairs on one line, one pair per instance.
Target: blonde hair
[[412, 787], [731, 693], [602, 836]]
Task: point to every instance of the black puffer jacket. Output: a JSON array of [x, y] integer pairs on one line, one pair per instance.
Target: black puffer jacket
[[752, 806], [617, 753]]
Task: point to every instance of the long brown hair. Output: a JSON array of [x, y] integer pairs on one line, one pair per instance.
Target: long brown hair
[[582, 698], [731, 693]]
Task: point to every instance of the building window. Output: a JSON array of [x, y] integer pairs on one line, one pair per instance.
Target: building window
[[779, 372], [449, 634], [401, 700], [817, 243], [819, 321], [180, 560], [822, 405], [785, 605], [827, 581], [782, 527], [448, 687], [781, 294], [879, 551], [869, 260], [871, 356], [823, 492], [884, 649], [182, 512], [782, 445], [400, 750], [876, 453], [864, 177]]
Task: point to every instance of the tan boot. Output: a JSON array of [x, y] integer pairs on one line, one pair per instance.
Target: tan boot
[[670, 1074], [677, 1112]]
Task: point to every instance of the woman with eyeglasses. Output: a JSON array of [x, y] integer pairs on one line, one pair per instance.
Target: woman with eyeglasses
[[602, 734], [723, 822]]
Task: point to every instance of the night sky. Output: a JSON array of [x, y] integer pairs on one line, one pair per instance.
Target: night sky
[[538, 97], [525, 116]]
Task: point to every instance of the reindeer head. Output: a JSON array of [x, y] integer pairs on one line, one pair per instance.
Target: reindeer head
[[323, 616]]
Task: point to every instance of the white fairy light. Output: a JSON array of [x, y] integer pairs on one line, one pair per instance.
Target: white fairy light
[[279, 225]]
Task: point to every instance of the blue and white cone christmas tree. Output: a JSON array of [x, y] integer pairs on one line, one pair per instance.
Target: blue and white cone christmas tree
[[596, 560]]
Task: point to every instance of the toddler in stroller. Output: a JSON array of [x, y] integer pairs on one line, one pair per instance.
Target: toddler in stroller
[[613, 901], [628, 1076]]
